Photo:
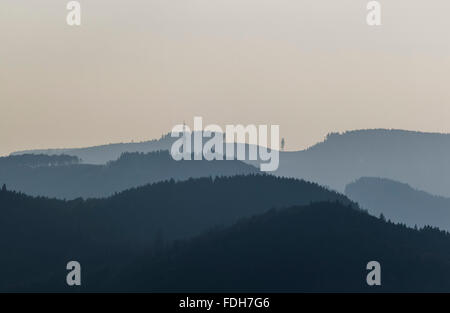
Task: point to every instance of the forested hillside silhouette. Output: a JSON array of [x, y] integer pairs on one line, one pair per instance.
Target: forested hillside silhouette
[[322, 247], [420, 159], [37, 160], [108, 152], [250, 232], [65, 178], [41, 235], [399, 202]]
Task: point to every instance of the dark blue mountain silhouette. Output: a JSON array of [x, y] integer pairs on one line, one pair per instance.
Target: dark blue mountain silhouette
[[419, 159], [65, 178], [109, 152], [322, 247], [40, 235]]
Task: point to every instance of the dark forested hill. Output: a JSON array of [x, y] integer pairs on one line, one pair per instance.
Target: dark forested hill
[[400, 203], [65, 178], [322, 247], [36, 160], [39, 236], [214, 235]]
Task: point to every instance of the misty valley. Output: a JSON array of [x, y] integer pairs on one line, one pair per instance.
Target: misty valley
[[144, 222], [224, 156]]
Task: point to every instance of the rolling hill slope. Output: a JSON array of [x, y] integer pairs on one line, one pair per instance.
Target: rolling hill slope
[[400, 203], [322, 247], [39, 236], [69, 180], [419, 159]]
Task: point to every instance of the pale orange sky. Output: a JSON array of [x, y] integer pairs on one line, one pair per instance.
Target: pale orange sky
[[134, 69]]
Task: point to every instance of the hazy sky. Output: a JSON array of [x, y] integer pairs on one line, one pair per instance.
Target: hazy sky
[[134, 69]]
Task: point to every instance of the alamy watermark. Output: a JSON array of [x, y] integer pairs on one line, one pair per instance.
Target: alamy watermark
[[374, 276], [374, 13], [73, 278], [373, 17], [190, 144], [74, 16]]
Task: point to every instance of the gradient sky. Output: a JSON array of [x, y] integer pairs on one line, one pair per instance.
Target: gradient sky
[[134, 69]]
